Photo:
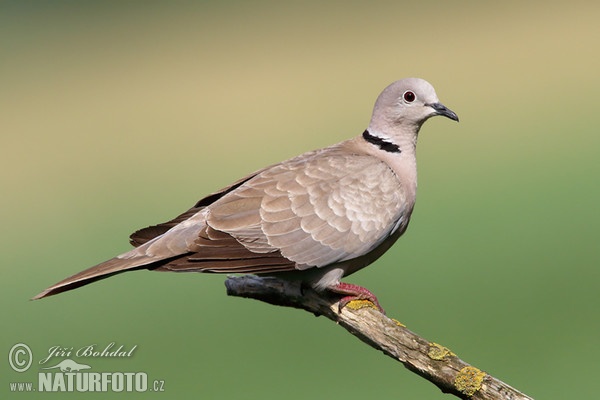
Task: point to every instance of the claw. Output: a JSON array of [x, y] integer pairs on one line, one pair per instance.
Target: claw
[[354, 292]]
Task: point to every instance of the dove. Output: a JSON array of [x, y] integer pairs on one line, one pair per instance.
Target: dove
[[317, 218]]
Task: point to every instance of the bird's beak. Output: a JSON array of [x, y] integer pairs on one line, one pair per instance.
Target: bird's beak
[[441, 109]]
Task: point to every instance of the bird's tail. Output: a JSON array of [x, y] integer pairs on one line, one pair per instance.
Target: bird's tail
[[103, 270]]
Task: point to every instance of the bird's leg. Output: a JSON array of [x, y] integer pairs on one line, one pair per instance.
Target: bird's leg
[[354, 292]]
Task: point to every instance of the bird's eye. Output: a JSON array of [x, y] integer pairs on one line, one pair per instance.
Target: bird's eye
[[409, 96]]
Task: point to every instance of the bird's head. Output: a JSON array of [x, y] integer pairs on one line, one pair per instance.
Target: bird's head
[[409, 103]]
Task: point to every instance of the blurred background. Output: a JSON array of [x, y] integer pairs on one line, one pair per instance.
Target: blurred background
[[118, 115]]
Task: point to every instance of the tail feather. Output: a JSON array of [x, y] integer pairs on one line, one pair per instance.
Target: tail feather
[[101, 271], [184, 248]]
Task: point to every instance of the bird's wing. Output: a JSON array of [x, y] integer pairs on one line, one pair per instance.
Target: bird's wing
[[315, 210]]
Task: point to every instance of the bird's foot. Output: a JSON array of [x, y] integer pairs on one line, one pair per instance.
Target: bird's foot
[[354, 292]]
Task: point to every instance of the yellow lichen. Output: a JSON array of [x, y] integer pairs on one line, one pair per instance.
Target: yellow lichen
[[398, 323], [358, 304], [469, 380], [438, 352]]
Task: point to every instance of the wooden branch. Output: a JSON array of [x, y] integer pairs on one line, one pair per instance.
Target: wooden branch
[[432, 361]]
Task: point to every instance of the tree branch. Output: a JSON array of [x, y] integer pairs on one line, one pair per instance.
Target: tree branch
[[432, 361]]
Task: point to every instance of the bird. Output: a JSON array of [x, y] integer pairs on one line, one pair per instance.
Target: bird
[[316, 218]]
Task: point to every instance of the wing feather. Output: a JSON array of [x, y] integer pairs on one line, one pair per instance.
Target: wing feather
[[315, 210]]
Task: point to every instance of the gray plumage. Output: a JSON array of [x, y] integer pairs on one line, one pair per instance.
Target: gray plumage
[[316, 217]]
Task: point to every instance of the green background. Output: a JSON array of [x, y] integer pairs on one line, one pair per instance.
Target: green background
[[118, 115]]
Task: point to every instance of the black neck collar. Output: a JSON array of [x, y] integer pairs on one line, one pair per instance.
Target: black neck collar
[[381, 143]]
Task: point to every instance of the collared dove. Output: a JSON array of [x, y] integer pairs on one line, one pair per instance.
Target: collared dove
[[317, 217]]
